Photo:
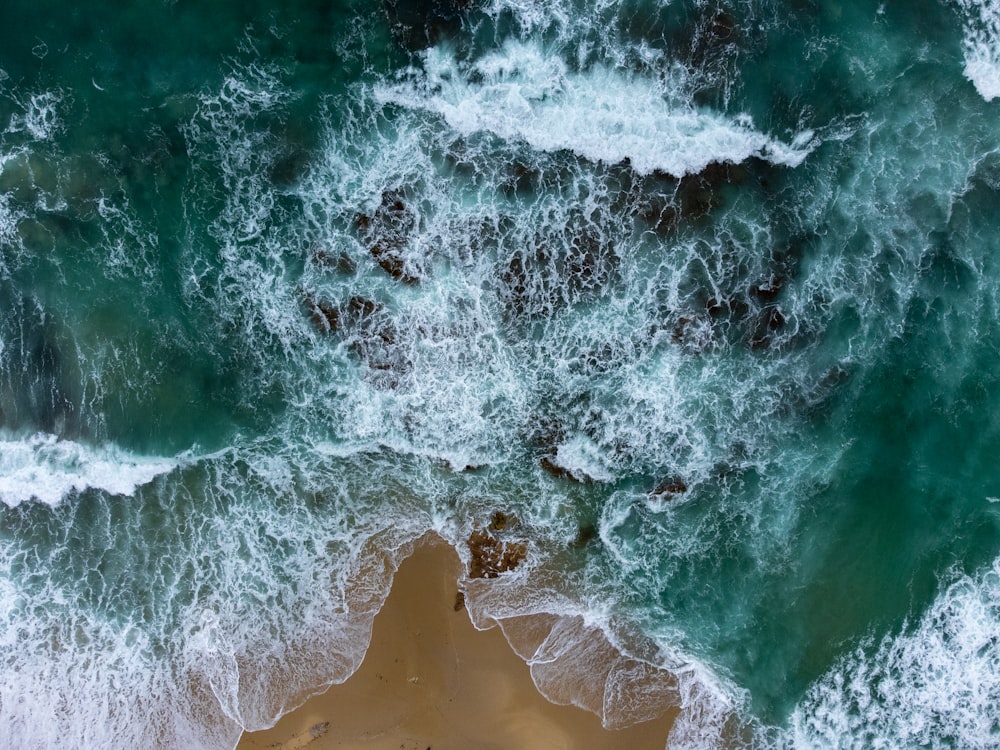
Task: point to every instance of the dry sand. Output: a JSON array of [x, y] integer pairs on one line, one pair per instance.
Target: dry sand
[[431, 680]]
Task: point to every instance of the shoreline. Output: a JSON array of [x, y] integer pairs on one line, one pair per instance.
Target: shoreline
[[431, 680]]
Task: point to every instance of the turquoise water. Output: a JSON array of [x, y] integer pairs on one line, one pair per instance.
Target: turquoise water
[[704, 295]]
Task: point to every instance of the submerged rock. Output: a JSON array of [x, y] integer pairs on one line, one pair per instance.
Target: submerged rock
[[586, 534], [560, 472], [663, 216], [499, 521], [769, 321], [490, 556], [666, 202], [358, 315], [712, 36], [680, 329], [369, 333], [386, 234], [672, 486], [556, 268], [768, 291], [327, 259], [698, 194], [522, 179], [325, 316]]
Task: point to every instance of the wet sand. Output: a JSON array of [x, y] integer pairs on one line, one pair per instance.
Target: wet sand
[[431, 680]]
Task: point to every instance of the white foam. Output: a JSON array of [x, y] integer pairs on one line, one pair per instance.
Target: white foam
[[247, 284], [44, 468], [8, 218], [244, 610], [580, 455], [75, 682], [937, 685], [981, 45], [11, 214], [533, 14], [604, 114], [40, 117], [582, 657]]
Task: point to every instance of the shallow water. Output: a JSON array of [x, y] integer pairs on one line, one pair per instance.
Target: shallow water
[[701, 295]]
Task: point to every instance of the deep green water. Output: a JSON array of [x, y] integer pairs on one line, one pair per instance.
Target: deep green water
[[704, 295]]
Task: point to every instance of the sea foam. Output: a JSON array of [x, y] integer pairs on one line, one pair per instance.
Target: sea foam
[[272, 539], [40, 117], [591, 658], [981, 45], [523, 92], [934, 685], [45, 468]]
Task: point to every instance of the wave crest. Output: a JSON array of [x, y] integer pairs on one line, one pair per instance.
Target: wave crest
[[604, 114]]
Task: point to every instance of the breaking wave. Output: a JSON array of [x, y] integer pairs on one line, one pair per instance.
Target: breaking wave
[[603, 113], [563, 267], [44, 468], [981, 45], [934, 685]]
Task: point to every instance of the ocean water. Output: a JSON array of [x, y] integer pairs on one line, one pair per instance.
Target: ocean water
[[702, 296]]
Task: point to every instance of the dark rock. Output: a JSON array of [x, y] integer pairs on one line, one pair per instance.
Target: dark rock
[[556, 471], [386, 234], [546, 433], [698, 201], [769, 321], [515, 280], [716, 307], [369, 332], [559, 472], [602, 359], [521, 180], [390, 262], [362, 311], [736, 307], [323, 257], [680, 329], [774, 318], [716, 174], [586, 534], [713, 39], [662, 216], [768, 291], [358, 315], [722, 26], [697, 193], [325, 317], [499, 521], [589, 260], [668, 487], [693, 334], [490, 557], [560, 269]]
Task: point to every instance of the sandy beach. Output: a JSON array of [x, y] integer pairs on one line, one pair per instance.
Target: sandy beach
[[431, 680]]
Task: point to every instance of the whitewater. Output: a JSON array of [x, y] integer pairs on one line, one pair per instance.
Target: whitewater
[[701, 296]]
